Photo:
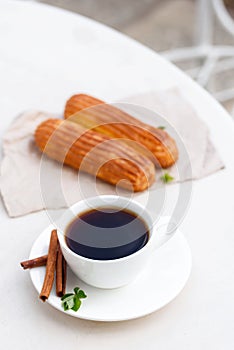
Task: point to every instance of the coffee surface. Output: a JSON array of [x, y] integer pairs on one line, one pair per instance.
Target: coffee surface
[[106, 234]]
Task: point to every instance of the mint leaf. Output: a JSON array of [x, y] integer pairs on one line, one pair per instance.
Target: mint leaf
[[167, 178], [65, 307], [76, 290], [81, 294], [71, 301], [66, 296], [161, 127], [77, 304]]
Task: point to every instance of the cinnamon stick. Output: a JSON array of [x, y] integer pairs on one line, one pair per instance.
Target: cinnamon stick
[[50, 267], [59, 273], [29, 264]]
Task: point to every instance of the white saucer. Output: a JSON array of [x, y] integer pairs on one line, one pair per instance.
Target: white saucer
[[164, 278]]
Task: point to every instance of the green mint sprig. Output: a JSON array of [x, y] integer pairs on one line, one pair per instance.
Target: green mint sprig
[[72, 301], [161, 127], [166, 178]]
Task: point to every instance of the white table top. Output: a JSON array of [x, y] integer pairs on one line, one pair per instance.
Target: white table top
[[46, 55]]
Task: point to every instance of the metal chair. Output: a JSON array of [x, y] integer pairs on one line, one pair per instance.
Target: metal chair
[[205, 49]]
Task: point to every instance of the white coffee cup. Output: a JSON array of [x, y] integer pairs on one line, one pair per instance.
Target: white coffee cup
[[117, 272]]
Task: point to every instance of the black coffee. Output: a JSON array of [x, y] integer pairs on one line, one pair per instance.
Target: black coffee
[[106, 234]]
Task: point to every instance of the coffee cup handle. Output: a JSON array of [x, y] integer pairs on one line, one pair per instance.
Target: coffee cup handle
[[164, 230]]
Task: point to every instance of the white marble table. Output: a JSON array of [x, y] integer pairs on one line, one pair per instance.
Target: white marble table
[[47, 54]]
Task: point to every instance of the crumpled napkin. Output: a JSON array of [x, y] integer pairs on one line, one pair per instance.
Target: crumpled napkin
[[30, 182]]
